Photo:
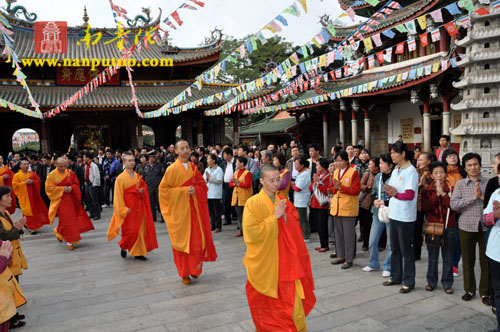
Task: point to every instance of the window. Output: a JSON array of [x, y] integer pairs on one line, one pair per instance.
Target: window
[[486, 115], [466, 116], [486, 45], [486, 23], [486, 90], [487, 66]]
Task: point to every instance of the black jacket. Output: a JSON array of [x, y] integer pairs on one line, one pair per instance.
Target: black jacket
[[224, 166]]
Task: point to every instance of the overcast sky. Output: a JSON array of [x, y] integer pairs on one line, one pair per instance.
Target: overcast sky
[[236, 17]]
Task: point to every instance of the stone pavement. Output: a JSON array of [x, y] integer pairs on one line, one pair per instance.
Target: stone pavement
[[94, 289]]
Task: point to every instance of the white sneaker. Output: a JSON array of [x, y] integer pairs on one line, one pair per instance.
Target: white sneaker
[[386, 274], [104, 206], [307, 240], [368, 269]]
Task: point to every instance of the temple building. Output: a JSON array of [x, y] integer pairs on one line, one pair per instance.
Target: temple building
[[480, 88], [105, 116], [403, 92]]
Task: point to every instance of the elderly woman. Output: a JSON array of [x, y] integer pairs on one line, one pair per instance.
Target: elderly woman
[[345, 187]]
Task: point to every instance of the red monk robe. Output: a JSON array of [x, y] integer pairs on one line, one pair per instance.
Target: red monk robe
[[186, 217], [4, 170], [73, 220], [138, 229], [280, 282], [30, 201]]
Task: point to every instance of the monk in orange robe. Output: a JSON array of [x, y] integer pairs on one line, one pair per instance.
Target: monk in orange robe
[[63, 189], [184, 206], [280, 283], [132, 213], [26, 185], [6, 176]]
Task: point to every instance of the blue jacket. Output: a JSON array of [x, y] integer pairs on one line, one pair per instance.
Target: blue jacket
[[110, 169]]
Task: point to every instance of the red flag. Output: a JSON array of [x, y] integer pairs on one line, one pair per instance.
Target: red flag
[[380, 57], [451, 28], [199, 3], [482, 11], [424, 40], [175, 16], [400, 48]]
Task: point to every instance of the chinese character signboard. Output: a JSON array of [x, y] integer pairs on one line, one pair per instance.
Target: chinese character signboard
[[51, 37], [407, 130], [82, 75]]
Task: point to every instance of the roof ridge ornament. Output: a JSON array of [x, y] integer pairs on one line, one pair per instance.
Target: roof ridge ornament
[[16, 10], [216, 36], [146, 20]]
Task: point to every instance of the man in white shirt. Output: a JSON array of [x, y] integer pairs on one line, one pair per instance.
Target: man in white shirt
[[290, 165], [227, 192], [92, 184]]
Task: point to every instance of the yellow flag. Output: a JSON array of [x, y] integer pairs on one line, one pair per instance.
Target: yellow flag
[[398, 79], [344, 14], [435, 67], [368, 44], [304, 4], [422, 22], [322, 60], [315, 41]]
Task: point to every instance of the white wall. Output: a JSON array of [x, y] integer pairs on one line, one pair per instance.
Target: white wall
[[400, 111]]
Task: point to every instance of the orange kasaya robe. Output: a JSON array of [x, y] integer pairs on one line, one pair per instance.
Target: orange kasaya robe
[[11, 295], [18, 262], [5, 170], [30, 201], [73, 220], [280, 282], [138, 229], [186, 217]]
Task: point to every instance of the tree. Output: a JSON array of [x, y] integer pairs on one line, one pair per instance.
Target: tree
[[252, 66]]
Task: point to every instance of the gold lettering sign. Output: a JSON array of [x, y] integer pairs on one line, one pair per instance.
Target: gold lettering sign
[[407, 130]]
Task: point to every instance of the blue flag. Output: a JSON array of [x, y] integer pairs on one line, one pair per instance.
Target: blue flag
[[453, 9], [282, 20], [389, 33], [249, 46]]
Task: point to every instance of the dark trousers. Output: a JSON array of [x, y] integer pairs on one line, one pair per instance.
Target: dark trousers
[[365, 225], [321, 216], [417, 235], [468, 242], [313, 222], [92, 197], [402, 259], [100, 191], [495, 278], [153, 202], [108, 186], [215, 210], [227, 196], [457, 253], [447, 255]]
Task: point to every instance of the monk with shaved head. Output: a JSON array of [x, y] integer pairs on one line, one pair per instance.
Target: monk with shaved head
[[280, 283], [26, 185], [63, 189], [184, 206]]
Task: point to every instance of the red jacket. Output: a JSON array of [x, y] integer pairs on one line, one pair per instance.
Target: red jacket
[[323, 188], [434, 205]]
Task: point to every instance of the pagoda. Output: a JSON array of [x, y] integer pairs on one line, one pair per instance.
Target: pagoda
[[480, 88]]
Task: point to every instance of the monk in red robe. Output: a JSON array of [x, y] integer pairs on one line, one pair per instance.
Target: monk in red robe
[[184, 206], [6, 176], [26, 185], [132, 213], [280, 283], [63, 189]]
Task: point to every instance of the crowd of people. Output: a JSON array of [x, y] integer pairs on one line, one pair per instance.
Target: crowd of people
[[401, 200]]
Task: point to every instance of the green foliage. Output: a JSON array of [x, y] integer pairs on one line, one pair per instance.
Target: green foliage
[[252, 66]]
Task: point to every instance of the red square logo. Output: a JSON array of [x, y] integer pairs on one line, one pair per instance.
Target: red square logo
[[51, 37]]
